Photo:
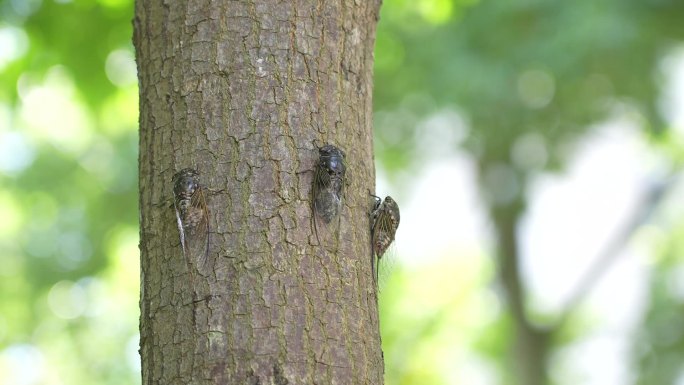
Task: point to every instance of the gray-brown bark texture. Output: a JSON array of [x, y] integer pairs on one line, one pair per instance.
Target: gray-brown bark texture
[[245, 92]]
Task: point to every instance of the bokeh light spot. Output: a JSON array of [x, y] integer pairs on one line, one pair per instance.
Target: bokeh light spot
[[16, 153], [12, 217], [536, 88], [529, 151], [22, 364], [67, 300], [440, 133], [99, 160], [14, 43], [75, 248], [115, 3], [120, 68], [119, 114], [123, 252], [435, 11], [670, 104], [25, 7], [51, 112]]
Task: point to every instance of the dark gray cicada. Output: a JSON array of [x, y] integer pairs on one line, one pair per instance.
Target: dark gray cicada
[[328, 185], [384, 224], [191, 216]]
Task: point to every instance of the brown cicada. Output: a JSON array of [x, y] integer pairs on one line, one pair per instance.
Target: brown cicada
[[191, 216], [384, 224]]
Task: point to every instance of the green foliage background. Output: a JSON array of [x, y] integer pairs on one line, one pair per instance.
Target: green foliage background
[[68, 161]]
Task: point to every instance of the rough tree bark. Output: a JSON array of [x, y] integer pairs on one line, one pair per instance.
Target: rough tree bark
[[245, 92]]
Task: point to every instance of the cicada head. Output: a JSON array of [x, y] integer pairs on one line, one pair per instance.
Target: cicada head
[[331, 159], [376, 206], [393, 211], [185, 183]]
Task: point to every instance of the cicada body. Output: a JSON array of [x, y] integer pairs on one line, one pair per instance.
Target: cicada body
[[191, 216], [384, 224], [328, 185]]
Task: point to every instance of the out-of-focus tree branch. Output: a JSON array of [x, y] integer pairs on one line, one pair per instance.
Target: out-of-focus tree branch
[[650, 201]]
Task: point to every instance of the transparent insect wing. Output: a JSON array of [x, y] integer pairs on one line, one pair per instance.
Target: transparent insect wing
[[198, 218], [191, 215], [182, 190]]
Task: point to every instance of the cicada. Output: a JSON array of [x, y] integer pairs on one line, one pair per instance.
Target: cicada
[[191, 217], [384, 224], [328, 185]]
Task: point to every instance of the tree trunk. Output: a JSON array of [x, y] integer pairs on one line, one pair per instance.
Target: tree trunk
[[530, 350], [245, 92]]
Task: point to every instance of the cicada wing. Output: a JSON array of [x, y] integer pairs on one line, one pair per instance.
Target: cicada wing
[[385, 266], [198, 232], [387, 229], [375, 242], [315, 206], [321, 183], [181, 230], [327, 194], [383, 236]]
